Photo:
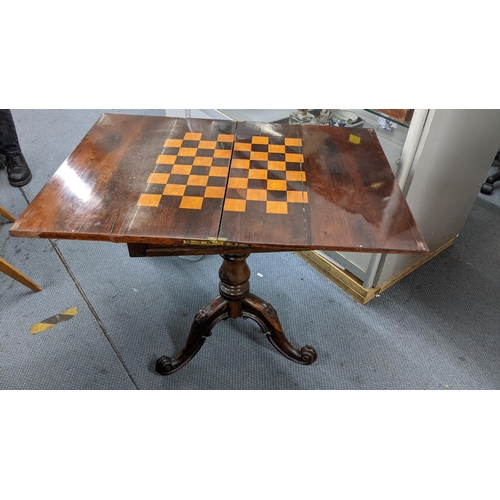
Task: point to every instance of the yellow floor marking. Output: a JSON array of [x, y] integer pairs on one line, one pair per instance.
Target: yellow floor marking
[[53, 320]]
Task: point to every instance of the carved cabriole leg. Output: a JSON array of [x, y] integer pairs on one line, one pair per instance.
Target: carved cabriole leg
[[206, 318], [234, 274], [235, 301], [266, 317]]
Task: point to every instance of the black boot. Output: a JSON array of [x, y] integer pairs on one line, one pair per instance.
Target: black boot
[[18, 172]]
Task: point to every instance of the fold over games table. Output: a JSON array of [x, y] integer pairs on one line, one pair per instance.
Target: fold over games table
[[171, 186]]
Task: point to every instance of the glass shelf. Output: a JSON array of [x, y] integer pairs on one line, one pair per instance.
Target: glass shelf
[[257, 115], [274, 115], [390, 118]]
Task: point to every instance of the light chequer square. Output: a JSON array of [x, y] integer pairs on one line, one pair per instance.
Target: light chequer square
[[235, 205], [182, 169], [258, 156], [207, 144], [294, 157], [202, 161], [222, 153], [173, 143], [166, 159], [242, 146], [296, 197], [237, 183], [149, 200], [158, 178], [276, 207], [215, 192], [277, 148], [219, 171], [192, 136], [257, 173], [191, 202], [225, 137], [292, 141], [197, 180], [174, 190], [187, 151], [276, 185], [237, 163], [277, 165], [257, 194], [257, 139]]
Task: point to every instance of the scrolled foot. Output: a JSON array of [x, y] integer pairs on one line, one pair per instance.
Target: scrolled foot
[[308, 355], [163, 365]]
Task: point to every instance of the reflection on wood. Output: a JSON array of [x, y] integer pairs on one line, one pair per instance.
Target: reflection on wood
[[171, 183]]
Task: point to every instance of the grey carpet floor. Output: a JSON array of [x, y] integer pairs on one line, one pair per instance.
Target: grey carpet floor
[[436, 329]]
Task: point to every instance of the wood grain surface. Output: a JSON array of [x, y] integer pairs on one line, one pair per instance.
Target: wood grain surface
[[207, 185]]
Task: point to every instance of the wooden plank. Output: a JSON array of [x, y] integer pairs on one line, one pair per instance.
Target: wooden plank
[[6, 214], [87, 196], [136, 177], [265, 197], [183, 196], [14, 273], [354, 201]]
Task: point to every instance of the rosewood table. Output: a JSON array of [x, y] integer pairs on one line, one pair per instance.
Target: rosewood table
[[171, 186]]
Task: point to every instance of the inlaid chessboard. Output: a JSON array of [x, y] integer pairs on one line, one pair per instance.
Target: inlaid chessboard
[[265, 172]]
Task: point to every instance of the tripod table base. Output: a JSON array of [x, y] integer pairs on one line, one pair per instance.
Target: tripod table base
[[235, 301]]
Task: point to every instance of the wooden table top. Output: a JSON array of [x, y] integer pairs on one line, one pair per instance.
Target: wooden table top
[[191, 182]]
